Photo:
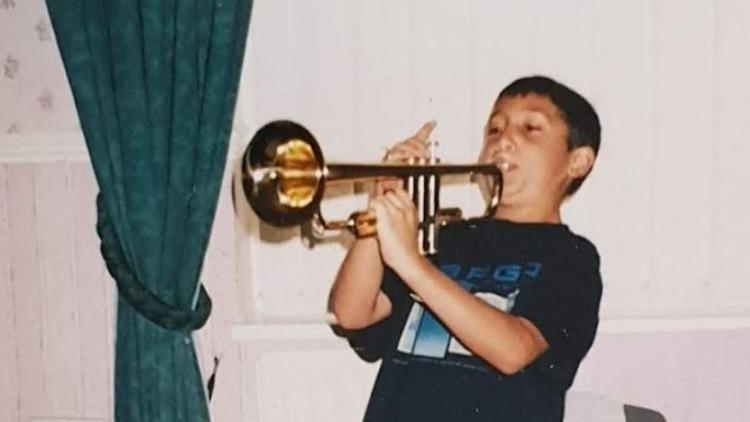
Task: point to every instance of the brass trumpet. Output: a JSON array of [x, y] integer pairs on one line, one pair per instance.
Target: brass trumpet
[[284, 177]]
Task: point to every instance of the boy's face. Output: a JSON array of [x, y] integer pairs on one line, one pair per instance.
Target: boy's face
[[526, 138]]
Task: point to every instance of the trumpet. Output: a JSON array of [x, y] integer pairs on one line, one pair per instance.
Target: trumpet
[[284, 177]]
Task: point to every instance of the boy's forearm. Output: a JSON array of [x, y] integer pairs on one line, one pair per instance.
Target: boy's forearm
[[507, 342], [355, 294]]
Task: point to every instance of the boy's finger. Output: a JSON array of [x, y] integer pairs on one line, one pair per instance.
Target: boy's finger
[[403, 152], [424, 132], [385, 211], [376, 207], [373, 203], [420, 148], [415, 142], [394, 201], [389, 182], [404, 198], [406, 152], [412, 144], [399, 198]]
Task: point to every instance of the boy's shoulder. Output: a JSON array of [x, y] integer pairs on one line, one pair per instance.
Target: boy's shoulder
[[584, 249], [583, 259], [556, 239], [581, 244]]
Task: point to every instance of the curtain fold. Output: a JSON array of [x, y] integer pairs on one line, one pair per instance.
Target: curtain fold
[[155, 85]]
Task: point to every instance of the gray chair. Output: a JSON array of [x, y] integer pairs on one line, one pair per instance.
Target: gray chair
[[641, 414], [584, 406]]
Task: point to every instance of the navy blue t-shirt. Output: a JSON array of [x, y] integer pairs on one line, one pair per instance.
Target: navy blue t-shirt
[[542, 272]]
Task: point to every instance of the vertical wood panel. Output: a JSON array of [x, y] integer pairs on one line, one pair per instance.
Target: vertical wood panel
[[226, 403], [271, 55], [220, 279], [562, 49], [443, 52], [383, 86], [33, 386], [621, 182], [56, 244], [327, 44], [731, 227], [94, 303], [502, 46], [682, 168], [315, 382], [250, 385], [9, 397], [304, 67]]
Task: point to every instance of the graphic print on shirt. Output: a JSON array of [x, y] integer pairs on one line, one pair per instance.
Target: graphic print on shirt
[[424, 335]]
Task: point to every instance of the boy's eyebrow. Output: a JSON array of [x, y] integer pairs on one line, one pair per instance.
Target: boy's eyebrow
[[494, 113], [534, 110]]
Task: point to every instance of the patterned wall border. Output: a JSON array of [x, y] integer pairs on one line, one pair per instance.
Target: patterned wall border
[[65, 146]]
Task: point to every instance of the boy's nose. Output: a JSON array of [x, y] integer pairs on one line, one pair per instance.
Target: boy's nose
[[507, 144]]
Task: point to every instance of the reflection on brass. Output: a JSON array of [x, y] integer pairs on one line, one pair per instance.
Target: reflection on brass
[[297, 173]]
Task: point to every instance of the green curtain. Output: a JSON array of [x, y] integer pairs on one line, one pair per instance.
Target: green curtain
[[155, 84]]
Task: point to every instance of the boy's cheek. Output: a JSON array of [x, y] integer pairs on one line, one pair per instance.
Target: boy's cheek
[[485, 156]]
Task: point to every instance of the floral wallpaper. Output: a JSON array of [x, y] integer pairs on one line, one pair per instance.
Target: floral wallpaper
[[34, 92]]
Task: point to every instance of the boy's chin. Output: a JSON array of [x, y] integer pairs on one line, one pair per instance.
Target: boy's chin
[[511, 195], [510, 201]]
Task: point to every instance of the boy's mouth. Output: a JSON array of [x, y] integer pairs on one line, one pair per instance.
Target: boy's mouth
[[505, 165]]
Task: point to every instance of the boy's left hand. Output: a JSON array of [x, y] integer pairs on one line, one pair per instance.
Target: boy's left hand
[[397, 228]]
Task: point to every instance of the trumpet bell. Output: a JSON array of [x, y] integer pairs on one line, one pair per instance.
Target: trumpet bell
[[282, 173]]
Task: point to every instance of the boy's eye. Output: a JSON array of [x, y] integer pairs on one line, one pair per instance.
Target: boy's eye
[[493, 131], [532, 128]]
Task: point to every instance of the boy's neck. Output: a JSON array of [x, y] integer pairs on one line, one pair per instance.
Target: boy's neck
[[518, 214]]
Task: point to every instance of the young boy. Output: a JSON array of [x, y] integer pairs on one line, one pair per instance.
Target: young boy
[[492, 328]]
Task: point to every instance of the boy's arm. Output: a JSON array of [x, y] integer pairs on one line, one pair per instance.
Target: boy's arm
[[507, 342], [356, 299]]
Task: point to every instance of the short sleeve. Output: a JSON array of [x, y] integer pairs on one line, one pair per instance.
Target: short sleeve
[[564, 306], [372, 342]]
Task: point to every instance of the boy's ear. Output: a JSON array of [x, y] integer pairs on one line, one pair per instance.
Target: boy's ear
[[580, 162]]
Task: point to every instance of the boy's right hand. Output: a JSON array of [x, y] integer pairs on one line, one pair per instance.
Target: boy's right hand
[[411, 149]]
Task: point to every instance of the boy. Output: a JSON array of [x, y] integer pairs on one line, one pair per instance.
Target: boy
[[492, 328]]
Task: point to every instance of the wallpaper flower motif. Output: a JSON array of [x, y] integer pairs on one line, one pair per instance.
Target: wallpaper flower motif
[[10, 67], [35, 96], [47, 101], [43, 30]]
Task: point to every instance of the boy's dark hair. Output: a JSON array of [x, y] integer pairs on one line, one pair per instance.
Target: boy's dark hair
[[579, 115]]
